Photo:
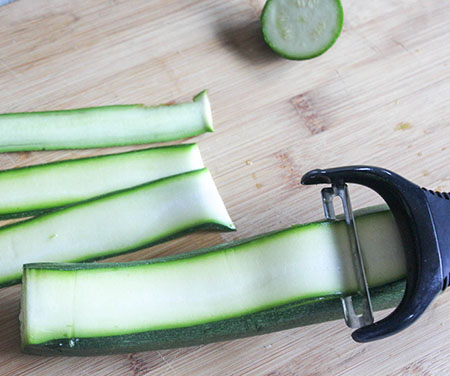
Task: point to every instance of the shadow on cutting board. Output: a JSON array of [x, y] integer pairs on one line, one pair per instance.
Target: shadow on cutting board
[[244, 37]]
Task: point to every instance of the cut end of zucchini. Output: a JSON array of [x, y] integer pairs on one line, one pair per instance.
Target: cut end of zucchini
[[202, 98], [301, 29]]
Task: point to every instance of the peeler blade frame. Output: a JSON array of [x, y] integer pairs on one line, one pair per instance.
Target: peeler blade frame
[[352, 319]]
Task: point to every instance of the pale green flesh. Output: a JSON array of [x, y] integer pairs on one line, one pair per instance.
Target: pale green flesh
[[63, 183], [297, 263], [301, 29], [117, 223], [104, 126]]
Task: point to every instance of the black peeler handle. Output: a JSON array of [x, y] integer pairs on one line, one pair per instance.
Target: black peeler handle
[[423, 218]]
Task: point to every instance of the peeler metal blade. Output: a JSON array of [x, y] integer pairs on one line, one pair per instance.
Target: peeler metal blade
[[352, 319]]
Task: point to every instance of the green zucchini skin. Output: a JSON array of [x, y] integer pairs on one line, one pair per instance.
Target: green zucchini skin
[[106, 126], [218, 220], [35, 190], [268, 29], [302, 313]]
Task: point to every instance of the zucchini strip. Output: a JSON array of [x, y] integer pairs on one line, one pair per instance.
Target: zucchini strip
[[99, 127], [272, 282], [115, 223], [33, 190]]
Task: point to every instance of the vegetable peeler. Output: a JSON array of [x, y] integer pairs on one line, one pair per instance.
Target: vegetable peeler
[[423, 218]]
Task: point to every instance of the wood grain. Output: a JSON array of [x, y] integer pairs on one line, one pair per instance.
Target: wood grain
[[379, 96]]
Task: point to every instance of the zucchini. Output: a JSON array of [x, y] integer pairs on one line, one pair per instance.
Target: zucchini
[[104, 126], [115, 223], [301, 29], [33, 190], [275, 281]]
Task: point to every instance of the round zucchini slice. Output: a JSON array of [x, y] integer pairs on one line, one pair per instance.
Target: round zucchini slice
[[301, 29]]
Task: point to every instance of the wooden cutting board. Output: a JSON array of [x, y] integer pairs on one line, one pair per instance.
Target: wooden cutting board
[[380, 96]]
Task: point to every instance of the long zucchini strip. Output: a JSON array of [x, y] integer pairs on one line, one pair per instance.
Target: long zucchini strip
[[33, 190], [272, 282], [116, 223], [104, 126]]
